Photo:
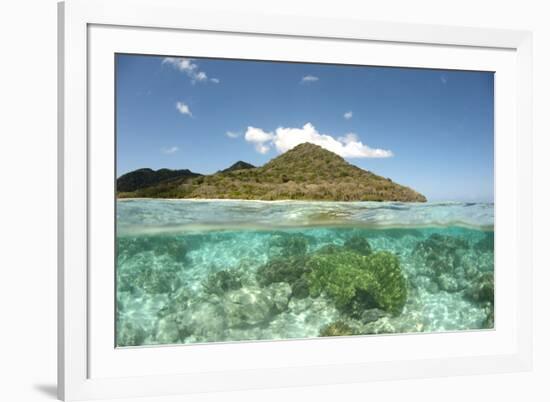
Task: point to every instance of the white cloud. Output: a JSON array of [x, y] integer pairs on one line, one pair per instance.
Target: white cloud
[[201, 76], [183, 109], [260, 138], [309, 78], [262, 148], [189, 67], [348, 146], [348, 115], [232, 134], [349, 138], [257, 135], [169, 151], [181, 64]]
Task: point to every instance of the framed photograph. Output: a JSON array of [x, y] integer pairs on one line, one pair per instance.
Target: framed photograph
[[261, 201]]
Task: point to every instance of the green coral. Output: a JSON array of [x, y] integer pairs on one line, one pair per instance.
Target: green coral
[[337, 328], [391, 290], [339, 275], [355, 282]]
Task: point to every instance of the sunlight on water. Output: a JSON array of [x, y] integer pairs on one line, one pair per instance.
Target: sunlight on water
[[193, 271]]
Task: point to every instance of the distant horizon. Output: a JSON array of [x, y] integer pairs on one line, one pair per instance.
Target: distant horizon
[[430, 130]]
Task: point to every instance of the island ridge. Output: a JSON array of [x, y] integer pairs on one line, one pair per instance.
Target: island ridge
[[306, 172]]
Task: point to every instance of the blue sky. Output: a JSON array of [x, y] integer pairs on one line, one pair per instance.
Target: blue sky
[[431, 130]]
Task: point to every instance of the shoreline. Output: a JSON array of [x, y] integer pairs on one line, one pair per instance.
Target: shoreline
[[442, 203], [264, 201]]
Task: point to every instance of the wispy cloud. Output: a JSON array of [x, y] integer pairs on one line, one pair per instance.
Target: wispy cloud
[[232, 134], [262, 148], [443, 78], [283, 139], [189, 67], [309, 79], [184, 109], [348, 115], [170, 150]]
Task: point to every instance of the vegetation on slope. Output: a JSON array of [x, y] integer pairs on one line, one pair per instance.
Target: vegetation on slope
[[143, 178], [306, 172], [240, 165]]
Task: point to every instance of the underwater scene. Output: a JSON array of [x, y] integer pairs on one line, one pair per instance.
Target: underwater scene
[[197, 271]]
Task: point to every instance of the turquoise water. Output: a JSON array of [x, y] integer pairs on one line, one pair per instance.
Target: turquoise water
[[192, 271]]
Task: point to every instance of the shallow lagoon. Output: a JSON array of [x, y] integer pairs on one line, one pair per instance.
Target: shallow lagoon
[[194, 271]]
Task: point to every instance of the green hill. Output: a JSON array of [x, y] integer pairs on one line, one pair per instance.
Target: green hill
[[143, 178], [240, 165], [306, 172]]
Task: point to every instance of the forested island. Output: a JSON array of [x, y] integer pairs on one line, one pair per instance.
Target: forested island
[[306, 172]]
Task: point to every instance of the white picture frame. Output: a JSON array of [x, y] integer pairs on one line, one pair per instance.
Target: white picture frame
[[91, 31]]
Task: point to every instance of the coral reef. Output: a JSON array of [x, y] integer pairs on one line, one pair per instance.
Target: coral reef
[[329, 249], [372, 315], [487, 243], [357, 283], [218, 283], [390, 291], [210, 318], [252, 306], [442, 257], [201, 320], [359, 244], [381, 326], [173, 246], [289, 245], [168, 331], [282, 270], [235, 285], [290, 270], [454, 266], [248, 307], [280, 295], [340, 275], [482, 290], [130, 334], [300, 288], [150, 274], [337, 328]]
